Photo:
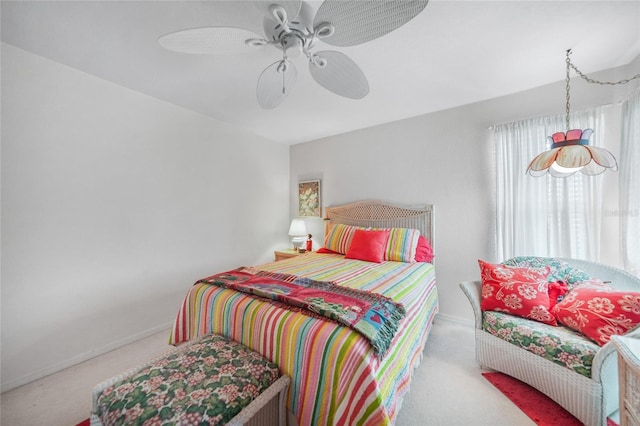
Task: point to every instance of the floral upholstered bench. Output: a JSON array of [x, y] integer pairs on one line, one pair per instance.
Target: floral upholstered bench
[[212, 381]]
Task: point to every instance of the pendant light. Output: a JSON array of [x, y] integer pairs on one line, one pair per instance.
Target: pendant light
[[569, 151]]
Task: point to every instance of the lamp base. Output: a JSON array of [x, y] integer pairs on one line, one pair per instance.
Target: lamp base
[[297, 243]]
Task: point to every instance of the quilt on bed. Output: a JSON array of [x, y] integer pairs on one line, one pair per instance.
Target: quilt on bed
[[374, 316], [336, 376]]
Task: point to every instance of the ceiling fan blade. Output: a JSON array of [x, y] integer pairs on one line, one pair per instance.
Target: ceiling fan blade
[[292, 7], [357, 21], [275, 83], [209, 41], [339, 74]]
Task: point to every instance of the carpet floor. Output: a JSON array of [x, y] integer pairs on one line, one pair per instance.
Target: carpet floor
[[447, 388]]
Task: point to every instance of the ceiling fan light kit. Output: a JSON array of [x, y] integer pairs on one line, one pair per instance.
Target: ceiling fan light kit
[[290, 25]]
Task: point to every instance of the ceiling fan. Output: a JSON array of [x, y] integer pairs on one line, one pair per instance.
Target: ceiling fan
[[290, 26]]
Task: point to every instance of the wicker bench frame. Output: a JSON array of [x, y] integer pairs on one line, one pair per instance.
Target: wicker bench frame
[[590, 400], [267, 409]]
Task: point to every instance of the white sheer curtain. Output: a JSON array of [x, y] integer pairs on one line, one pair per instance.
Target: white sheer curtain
[[545, 216], [630, 184]]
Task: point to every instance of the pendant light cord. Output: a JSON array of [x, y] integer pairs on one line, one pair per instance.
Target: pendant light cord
[[568, 79], [570, 66]]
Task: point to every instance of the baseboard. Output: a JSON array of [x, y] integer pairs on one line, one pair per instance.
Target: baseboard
[[55, 368], [455, 320]]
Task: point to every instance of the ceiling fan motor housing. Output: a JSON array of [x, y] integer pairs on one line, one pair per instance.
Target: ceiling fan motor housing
[[292, 45], [277, 24]]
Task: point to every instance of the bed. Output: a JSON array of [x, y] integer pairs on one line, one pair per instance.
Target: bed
[[337, 377]]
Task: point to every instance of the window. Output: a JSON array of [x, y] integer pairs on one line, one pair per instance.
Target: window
[[630, 184], [545, 216]]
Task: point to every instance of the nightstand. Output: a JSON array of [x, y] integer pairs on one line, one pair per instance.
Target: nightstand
[[286, 254], [629, 375]]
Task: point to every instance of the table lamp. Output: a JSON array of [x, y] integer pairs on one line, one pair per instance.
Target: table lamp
[[297, 230]]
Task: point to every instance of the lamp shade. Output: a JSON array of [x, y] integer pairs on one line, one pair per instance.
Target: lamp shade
[[570, 153], [297, 228]]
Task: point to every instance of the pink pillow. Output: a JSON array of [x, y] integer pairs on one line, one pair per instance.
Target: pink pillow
[[599, 311], [424, 252], [517, 291], [368, 245]]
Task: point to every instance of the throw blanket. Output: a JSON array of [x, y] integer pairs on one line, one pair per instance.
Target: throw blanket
[[374, 316]]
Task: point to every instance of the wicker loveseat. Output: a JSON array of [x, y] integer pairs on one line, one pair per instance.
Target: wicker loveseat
[[591, 396]]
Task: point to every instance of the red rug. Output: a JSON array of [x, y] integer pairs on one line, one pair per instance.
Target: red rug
[[539, 407], [84, 423]]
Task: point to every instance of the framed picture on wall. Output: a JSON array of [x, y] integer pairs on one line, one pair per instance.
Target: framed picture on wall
[[309, 199]]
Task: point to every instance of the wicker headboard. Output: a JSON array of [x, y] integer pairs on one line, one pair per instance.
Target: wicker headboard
[[380, 214]]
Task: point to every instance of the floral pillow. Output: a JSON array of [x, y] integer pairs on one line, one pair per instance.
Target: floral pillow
[[517, 291], [560, 271], [598, 311]]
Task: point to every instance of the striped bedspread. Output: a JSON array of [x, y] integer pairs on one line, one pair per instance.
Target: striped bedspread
[[336, 377]]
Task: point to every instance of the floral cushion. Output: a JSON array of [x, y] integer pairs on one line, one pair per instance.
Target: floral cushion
[[557, 344], [518, 291], [208, 383], [598, 311], [560, 271]]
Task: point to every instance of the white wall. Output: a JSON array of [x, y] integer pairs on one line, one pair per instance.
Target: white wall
[[444, 158], [113, 204]]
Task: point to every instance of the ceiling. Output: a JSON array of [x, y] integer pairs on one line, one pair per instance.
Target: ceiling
[[453, 53]]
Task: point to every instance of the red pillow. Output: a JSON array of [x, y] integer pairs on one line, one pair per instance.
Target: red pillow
[[326, 251], [368, 245], [424, 252], [556, 289], [599, 311], [517, 291]]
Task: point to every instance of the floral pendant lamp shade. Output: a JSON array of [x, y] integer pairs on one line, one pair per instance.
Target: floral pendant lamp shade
[[570, 152]]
